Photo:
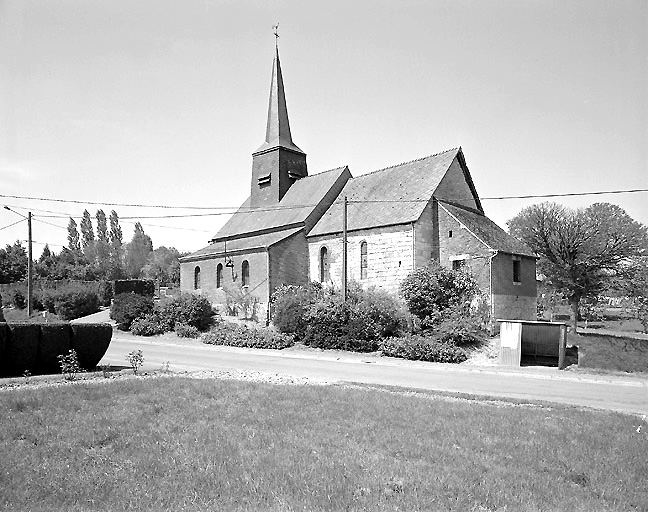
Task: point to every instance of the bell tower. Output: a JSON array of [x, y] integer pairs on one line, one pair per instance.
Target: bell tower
[[278, 163]]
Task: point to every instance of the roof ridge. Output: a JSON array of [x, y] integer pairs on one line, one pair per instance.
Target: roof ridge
[[409, 162], [342, 167]]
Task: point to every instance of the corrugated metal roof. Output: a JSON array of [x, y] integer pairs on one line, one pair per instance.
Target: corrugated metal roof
[[394, 195], [300, 201], [242, 244], [487, 231]]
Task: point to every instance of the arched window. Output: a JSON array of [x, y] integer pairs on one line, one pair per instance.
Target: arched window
[[219, 276], [245, 273], [197, 278], [324, 265], [363, 260]]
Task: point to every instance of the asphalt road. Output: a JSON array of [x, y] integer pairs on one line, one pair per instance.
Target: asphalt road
[[615, 393]]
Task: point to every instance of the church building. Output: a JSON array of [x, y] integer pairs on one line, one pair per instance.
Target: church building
[[290, 229]]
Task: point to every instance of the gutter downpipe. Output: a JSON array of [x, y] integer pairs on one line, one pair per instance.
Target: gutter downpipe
[[492, 300]]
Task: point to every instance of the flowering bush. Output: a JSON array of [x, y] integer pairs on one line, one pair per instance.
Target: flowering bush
[[148, 325], [186, 331]]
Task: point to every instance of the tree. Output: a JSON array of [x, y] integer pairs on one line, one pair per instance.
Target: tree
[[102, 244], [46, 264], [116, 265], [163, 265], [73, 236], [137, 251], [580, 250], [13, 263], [87, 236], [636, 287]]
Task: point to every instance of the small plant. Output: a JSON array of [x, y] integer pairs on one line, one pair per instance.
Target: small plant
[[165, 367], [135, 359], [105, 370], [26, 375], [69, 365]]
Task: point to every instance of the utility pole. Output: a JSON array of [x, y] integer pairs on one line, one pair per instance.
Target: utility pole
[[30, 302], [344, 249]]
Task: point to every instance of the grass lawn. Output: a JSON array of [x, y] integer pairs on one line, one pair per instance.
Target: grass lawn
[[191, 444]]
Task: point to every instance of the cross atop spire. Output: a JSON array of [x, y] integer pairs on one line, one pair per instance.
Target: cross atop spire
[[278, 126], [275, 28]]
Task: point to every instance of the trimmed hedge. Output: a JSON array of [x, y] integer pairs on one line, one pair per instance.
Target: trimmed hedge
[[54, 341], [421, 348], [21, 348], [145, 287], [36, 347], [241, 336], [90, 341]]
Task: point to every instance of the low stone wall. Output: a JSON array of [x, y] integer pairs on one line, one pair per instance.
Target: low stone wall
[[611, 352]]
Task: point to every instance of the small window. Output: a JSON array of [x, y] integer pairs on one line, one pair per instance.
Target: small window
[[517, 278], [450, 234], [197, 278], [363, 260], [245, 273], [324, 265], [458, 264], [219, 276]]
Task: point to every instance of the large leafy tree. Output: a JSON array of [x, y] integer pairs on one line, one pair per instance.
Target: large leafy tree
[[137, 251], [13, 263], [163, 265], [581, 250]]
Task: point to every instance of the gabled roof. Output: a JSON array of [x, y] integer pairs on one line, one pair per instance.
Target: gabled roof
[[249, 243], [390, 196], [304, 201], [487, 231]]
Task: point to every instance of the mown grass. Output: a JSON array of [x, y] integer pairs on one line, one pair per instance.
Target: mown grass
[[188, 444]]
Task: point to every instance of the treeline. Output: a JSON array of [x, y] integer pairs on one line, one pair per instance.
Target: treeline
[[96, 251]]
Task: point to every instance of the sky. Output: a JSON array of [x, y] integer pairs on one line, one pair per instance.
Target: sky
[[107, 103]]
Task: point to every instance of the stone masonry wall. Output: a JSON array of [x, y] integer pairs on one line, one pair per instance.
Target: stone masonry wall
[[231, 288], [389, 256]]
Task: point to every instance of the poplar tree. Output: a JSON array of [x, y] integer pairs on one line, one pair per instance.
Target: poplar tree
[[73, 236]]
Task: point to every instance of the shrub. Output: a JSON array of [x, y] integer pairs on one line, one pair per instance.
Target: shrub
[[144, 287], [127, 307], [135, 359], [148, 325], [430, 292], [242, 336], [21, 348], [18, 299], [90, 342], [71, 304], [187, 309], [186, 331], [321, 319], [421, 348], [105, 293], [54, 341], [459, 329], [290, 305]]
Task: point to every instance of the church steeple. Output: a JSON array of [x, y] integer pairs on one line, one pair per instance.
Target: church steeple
[[278, 163], [278, 126]]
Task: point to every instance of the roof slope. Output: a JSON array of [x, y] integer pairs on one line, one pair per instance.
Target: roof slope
[[487, 231], [295, 208], [241, 244], [395, 195]]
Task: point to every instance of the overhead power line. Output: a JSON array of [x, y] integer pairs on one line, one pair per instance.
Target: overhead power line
[[568, 194]]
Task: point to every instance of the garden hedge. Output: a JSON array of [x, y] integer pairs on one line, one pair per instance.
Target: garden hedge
[[35, 347], [90, 341]]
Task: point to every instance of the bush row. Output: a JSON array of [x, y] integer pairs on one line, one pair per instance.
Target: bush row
[[422, 348], [187, 314], [241, 336], [36, 347], [68, 302], [322, 319]]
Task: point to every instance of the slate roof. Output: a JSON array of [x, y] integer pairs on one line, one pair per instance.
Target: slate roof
[[299, 202], [487, 231], [390, 196], [241, 244]]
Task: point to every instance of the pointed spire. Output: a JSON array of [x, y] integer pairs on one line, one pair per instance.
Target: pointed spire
[[278, 126]]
